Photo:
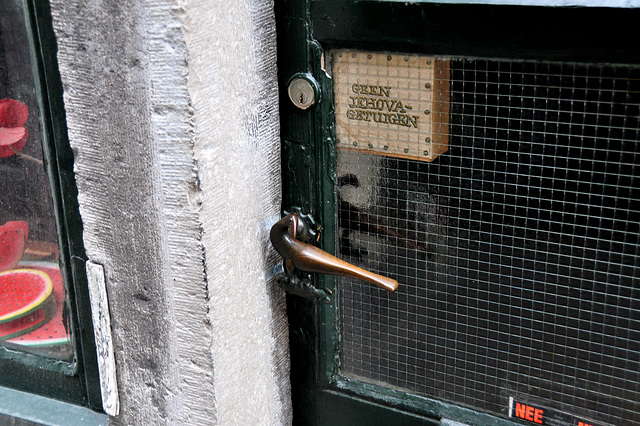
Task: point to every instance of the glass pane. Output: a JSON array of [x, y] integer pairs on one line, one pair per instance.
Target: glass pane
[[516, 249], [33, 314]]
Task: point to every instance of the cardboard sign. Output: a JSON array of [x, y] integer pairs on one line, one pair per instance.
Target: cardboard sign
[[391, 104]]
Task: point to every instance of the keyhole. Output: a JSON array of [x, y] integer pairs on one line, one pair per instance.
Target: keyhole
[[301, 92]]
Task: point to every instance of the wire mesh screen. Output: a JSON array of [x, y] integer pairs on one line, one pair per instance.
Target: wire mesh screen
[[516, 250]]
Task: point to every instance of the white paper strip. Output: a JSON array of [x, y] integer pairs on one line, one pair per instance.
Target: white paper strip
[[102, 333]]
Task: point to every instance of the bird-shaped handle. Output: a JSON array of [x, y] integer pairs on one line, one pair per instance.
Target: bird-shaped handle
[[305, 257]]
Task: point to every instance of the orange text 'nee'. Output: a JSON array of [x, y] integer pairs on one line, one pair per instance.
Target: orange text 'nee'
[[530, 413]]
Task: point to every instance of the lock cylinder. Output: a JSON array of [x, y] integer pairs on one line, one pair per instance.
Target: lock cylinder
[[303, 90]]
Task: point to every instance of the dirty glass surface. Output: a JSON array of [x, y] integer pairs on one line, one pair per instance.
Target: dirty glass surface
[[516, 249], [32, 294]]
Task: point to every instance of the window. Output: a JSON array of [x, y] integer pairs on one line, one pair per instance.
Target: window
[[46, 334]]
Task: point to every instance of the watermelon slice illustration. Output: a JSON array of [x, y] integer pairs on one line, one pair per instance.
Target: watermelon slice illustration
[[13, 238], [23, 325], [54, 332], [26, 301]]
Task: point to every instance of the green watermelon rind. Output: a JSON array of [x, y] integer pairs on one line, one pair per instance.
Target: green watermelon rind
[[37, 303], [48, 307], [25, 330], [48, 342]]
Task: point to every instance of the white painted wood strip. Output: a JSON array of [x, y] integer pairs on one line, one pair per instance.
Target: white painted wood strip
[[104, 342]]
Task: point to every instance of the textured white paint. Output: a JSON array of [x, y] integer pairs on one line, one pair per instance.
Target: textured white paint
[[102, 333], [186, 291], [173, 118], [105, 52], [234, 93]]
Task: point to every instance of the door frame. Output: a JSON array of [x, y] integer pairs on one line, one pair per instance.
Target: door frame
[[306, 27]]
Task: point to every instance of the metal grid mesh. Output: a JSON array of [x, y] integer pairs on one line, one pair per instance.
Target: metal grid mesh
[[516, 251]]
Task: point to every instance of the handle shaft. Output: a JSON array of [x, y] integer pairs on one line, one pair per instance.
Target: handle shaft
[[308, 258]]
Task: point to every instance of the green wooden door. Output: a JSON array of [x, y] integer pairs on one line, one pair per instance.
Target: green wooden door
[[496, 240]]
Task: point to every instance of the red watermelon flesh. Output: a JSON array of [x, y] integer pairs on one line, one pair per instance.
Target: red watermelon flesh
[[13, 134], [13, 238], [13, 113], [17, 224], [54, 332], [23, 291]]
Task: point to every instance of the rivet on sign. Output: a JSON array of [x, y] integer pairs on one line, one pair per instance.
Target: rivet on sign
[[427, 140], [427, 86], [406, 150], [355, 143], [369, 56], [428, 61], [389, 58], [406, 59], [353, 55], [385, 147], [426, 153], [340, 55], [370, 145], [427, 112]]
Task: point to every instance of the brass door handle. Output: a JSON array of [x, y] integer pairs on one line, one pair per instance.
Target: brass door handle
[[305, 257]]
